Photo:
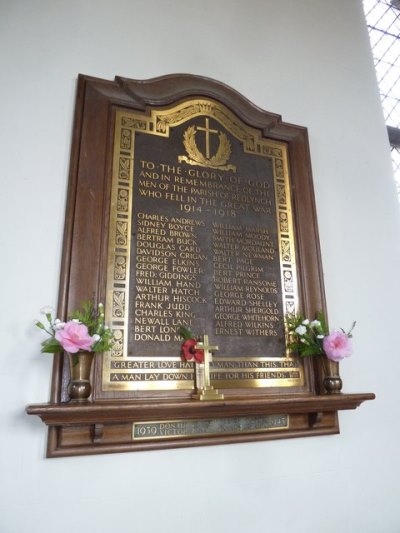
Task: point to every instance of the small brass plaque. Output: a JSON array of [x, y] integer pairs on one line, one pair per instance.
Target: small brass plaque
[[172, 429]]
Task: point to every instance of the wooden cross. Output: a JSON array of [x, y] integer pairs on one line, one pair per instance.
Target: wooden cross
[[207, 130]]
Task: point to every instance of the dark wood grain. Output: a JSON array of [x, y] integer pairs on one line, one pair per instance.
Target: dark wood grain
[[106, 427], [104, 424]]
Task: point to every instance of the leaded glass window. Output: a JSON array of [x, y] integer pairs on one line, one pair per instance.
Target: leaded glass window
[[383, 21]]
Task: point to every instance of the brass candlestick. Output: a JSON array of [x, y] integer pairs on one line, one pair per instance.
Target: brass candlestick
[[204, 389]]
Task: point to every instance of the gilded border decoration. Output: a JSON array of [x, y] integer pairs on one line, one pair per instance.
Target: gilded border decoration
[[269, 371]]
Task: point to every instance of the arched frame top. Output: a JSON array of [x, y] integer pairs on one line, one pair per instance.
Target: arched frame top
[[114, 421]]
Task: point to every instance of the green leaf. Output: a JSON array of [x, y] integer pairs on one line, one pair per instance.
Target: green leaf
[[87, 316], [309, 350], [324, 326], [185, 333], [51, 345], [104, 344]]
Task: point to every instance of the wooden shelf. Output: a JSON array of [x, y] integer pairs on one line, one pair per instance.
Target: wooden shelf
[[106, 427]]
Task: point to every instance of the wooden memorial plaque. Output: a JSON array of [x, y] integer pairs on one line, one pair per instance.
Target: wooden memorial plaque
[[189, 206]]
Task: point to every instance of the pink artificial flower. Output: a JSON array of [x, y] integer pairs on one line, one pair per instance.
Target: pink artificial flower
[[337, 346], [74, 337]]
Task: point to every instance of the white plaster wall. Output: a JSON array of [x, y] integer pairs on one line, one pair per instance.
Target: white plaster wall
[[308, 60]]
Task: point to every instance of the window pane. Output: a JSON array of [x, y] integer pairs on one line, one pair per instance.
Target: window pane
[[383, 21], [396, 166]]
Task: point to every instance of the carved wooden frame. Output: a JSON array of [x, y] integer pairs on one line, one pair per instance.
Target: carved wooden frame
[[105, 426]]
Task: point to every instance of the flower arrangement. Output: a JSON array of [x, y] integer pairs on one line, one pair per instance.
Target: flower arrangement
[[188, 350], [312, 337], [84, 331]]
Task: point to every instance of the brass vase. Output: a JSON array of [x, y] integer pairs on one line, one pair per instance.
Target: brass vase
[[80, 364], [332, 380]]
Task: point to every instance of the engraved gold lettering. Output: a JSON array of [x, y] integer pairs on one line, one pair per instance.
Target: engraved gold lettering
[[204, 242]]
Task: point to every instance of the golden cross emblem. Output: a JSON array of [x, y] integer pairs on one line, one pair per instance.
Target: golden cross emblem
[[207, 131]]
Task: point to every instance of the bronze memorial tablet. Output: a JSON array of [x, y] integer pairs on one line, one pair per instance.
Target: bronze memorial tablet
[[201, 235]]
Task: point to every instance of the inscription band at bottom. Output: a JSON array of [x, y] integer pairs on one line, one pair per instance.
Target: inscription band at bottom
[[172, 429]]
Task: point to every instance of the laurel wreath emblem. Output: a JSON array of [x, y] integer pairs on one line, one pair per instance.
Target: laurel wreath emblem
[[218, 160]]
